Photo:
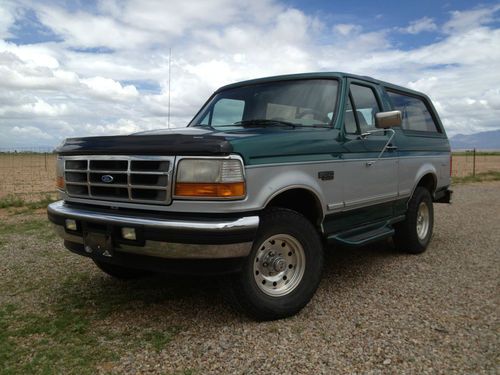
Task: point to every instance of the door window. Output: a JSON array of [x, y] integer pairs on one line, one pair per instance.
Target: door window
[[363, 108], [349, 119]]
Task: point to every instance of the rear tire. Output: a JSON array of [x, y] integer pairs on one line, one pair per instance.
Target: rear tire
[[119, 272], [283, 270], [414, 233]]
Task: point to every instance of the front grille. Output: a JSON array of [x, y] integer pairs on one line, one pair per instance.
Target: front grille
[[137, 179]]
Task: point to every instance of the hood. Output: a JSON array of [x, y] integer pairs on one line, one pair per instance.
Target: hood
[[253, 144], [186, 141]]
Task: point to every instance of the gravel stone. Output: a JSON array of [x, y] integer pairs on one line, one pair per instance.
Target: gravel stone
[[377, 311]]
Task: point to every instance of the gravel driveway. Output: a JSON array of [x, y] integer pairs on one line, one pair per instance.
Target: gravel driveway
[[376, 311]]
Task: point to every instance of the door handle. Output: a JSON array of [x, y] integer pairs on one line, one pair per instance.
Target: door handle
[[391, 147], [386, 146]]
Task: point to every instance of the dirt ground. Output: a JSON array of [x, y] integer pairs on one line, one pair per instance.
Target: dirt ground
[[376, 311]]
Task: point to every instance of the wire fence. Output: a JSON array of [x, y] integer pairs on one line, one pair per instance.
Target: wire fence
[[30, 172], [471, 162], [27, 172]]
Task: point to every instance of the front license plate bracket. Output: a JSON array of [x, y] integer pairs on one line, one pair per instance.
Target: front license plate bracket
[[98, 243]]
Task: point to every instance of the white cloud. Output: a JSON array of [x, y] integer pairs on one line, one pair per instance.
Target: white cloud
[[106, 88], [28, 132], [173, 17], [32, 107], [62, 90], [19, 74], [40, 55], [347, 28], [6, 19], [492, 98], [466, 20], [138, 24], [84, 30], [420, 25]]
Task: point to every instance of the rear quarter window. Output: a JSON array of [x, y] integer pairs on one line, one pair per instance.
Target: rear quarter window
[[416, 114]]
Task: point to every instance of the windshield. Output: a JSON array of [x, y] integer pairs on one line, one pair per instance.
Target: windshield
[[286, 103]]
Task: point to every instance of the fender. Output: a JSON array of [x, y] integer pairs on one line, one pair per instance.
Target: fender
[[426, 168], [288, 180]]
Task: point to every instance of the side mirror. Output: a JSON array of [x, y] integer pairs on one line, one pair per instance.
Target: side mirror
[[390, 119]]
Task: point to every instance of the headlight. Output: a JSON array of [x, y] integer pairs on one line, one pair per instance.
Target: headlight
[[210, 178], [60, 173]]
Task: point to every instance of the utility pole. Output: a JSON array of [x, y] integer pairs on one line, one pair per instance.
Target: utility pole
[[169, 77]]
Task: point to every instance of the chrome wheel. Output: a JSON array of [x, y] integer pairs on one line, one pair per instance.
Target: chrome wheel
[[423, 220], [279, 265]]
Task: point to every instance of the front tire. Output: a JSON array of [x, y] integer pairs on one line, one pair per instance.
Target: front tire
[[283, 270], [414, 233]]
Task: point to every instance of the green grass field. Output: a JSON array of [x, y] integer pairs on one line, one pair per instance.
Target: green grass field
[[51, 321]]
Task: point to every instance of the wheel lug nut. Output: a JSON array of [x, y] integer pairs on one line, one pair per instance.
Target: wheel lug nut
[[265, 264]]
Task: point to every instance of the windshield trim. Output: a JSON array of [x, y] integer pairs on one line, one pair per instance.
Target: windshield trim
[[331, 125]]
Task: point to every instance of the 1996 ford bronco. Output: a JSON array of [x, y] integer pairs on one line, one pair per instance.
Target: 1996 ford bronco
[[267, 173]]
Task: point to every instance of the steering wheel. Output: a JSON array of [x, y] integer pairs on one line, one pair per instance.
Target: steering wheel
[[316, 114]]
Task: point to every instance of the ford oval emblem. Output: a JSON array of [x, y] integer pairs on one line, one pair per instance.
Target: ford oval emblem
[[107, 178]]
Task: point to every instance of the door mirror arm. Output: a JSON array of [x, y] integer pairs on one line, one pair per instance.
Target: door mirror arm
[[370, 132]]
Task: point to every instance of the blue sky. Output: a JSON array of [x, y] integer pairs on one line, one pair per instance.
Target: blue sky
[[384, 13], [73, 68]]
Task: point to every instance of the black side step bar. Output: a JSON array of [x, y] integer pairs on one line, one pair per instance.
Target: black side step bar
[[364, 238]]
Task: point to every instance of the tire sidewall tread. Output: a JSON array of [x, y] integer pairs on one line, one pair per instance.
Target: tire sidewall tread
[[247, 297], [406, 237]]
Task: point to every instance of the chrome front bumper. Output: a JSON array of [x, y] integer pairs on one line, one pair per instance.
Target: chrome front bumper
[[201, 238]]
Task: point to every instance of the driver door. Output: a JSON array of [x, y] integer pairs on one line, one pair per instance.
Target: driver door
[[370, 185]]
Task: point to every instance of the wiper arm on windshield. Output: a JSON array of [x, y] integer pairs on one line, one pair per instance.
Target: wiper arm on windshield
[[266, 122]]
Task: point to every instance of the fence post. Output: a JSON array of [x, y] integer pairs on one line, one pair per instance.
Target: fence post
[[474, 162], [45, 154]]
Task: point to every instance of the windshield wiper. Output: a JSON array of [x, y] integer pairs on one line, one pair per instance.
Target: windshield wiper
[[265, 122], [268, 122]]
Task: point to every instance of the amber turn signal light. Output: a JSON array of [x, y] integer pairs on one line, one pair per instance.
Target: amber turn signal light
[[210, 190], [60, 182]]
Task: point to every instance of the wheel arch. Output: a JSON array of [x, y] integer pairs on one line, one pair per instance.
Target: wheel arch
[[299, 198], [429, 181], [427, 178]]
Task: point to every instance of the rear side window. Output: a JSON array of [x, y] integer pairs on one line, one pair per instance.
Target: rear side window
[[416, 115]]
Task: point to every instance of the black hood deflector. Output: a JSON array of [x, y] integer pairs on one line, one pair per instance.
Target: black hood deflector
[[184, 142]]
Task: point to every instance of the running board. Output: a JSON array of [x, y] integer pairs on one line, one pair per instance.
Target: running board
[[357, 237]]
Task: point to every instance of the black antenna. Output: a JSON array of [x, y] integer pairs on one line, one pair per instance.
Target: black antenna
[[169, 75]]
